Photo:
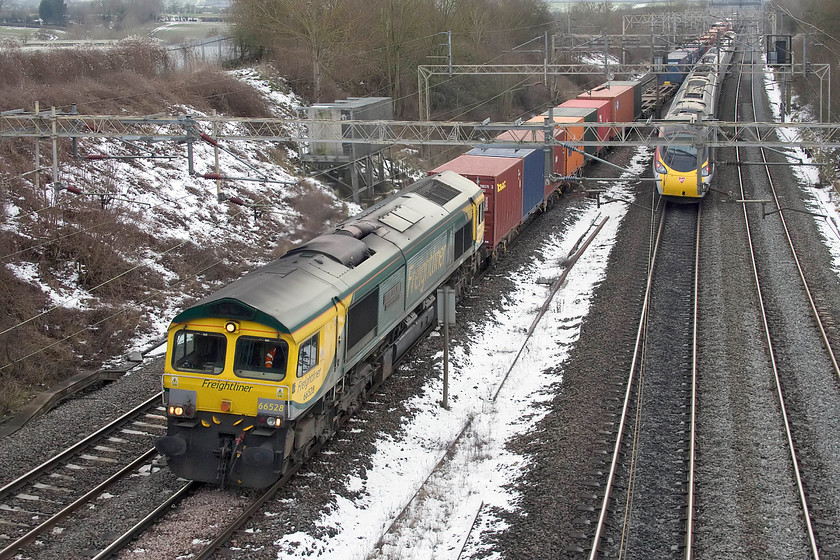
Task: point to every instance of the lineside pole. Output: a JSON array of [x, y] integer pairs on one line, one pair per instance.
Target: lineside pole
[[55, 151], [37, 149]]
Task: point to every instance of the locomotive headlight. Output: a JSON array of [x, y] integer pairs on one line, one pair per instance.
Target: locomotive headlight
[[179, 410], [231, 326], [659, 167], [271, 421]]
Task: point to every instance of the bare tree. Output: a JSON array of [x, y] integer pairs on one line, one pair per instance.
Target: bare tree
[[321, 27]]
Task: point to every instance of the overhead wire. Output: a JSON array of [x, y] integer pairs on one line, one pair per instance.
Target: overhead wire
[[55, 343], [136, 267]]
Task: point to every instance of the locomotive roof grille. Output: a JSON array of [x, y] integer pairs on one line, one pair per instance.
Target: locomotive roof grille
[[343, 249], [437, 192]]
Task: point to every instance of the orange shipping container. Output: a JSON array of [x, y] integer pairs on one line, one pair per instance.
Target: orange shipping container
[[568, 161]]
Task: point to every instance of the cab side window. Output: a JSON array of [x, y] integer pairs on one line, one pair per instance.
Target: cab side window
[[308, 355]]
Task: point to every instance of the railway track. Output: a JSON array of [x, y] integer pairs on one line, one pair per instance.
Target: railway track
[[649, 468], [219, 543], [47, 496], [800, 379]]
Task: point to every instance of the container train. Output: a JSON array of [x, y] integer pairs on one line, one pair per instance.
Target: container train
[[684, 168], [679, 62], [259, 373]]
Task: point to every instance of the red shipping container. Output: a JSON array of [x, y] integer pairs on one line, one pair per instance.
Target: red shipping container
[[501, 180], [621, 101], [603, 107], [572, 160]]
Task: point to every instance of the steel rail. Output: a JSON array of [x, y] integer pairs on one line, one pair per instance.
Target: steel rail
[[211, 547], [602, 517], [55, 460], [811, 301], [147, 521], [788, 434], [12, 549], [240, 520], [689, 522], [570, 263]]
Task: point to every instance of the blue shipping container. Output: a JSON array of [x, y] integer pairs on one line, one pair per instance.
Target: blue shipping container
[[676, 67], [533, 164]]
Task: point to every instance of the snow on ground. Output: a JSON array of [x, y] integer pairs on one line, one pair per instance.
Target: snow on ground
[[436, 522], [160, 197], [819, 200], [71, 296], [597, 59]]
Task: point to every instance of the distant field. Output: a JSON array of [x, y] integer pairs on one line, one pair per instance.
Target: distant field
[[176, 32], [24, 33], [169, 33]]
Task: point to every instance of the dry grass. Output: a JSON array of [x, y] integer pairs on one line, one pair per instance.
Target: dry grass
[[134, 77], [85, 247]]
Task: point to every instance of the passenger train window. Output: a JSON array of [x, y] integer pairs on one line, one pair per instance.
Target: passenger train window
[[199, 351], [308, 355], [261, 358]]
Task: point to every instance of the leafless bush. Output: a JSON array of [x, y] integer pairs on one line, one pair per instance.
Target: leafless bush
[[135, 74], [81, 244], [316, 210], [209, 89], [19, 302]]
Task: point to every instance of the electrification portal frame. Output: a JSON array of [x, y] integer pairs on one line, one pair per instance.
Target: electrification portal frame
[[188, 129], [425, 72]]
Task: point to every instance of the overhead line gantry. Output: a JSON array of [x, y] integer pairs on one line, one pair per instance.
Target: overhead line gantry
[[188, 129]]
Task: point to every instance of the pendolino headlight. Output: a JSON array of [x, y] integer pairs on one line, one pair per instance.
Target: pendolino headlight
[[231, 326], [706, 170], [659, 167]]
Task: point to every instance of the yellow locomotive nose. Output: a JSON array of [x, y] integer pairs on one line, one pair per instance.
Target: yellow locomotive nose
[[683, 184]]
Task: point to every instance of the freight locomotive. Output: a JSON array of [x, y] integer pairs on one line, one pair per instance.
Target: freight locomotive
[[260, 372], [683, 169]]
